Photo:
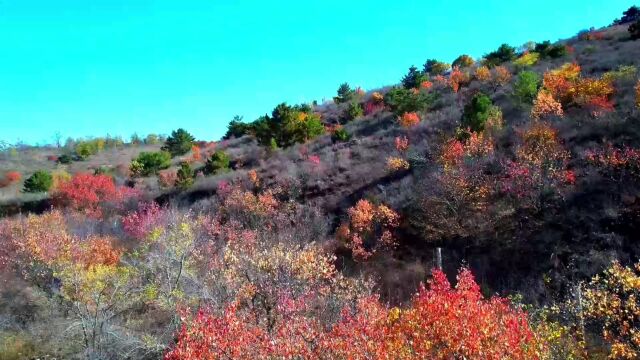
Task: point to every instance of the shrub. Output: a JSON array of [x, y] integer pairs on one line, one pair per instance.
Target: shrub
[[458, 79], [638, 94], [345, 94], [90, 193], [409, 119], [503, 54], [40, 181], [623, 73], [179, 143], [634, 30], [502, 76], [402, 143], [340, 135], [545, 105], [526, 86], [612, 300], [59, 177], [369, 228], [185, 175], [65, 159], [402, 101], [13, 177], [527, 60], [434, 67], [376, 97], [217, 163], [152, 139], [167, 178], [395, 164], [477, 112], [482, 74], [353, 111], [149, 163], [463, 61]]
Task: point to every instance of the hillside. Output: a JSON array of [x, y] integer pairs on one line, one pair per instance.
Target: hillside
[[521, 170]]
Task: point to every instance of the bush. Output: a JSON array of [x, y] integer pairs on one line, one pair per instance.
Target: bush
[[549, 51], [40, 181], [527, 60], [149, 163], [353, 111], [345, 94], [434, 67], [179, 143], [402, 101], [463, 61], [340, 135], [217, 163], [65, 159], [409, 119], [634, 30], [477, 112], [503, 54], [526, 86], [185, 175]]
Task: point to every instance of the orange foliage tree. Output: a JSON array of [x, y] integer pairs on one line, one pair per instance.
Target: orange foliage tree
[[545, 105], [409, 119], [482, 74], [369, 228]]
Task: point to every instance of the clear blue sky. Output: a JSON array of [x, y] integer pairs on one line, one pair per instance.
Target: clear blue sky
[[92, 67]]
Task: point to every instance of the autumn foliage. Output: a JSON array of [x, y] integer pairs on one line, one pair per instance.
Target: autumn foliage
[[369, 228], [89, 193], [545, 105], [409, 119], [441, 322]]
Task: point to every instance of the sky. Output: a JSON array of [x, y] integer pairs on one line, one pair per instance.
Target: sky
[[85, 68]]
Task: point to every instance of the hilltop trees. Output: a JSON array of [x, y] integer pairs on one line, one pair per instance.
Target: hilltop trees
[[288, 125], [413, 79], [179, 143], [236, 128], [463, 61], [503, 54], [345, 94], [434, 67]]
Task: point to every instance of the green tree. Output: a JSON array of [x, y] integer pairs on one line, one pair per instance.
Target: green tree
[[217, 163], [476, 112], [503, 54], [401, 100], [634, 30], [353, 111], [288, 125], [526, 86], [149, 163], [463, 61], [413, 79], [434, 67], [550, 51], [135, 139], [236, 128], [345, 94], [152, 139], [630, 15], [185, 175], [340, 135], [179, 143], [40, 181]]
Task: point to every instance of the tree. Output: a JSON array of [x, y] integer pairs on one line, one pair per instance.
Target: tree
[[413, 79], [526, 86], [179, 143], [217, 163], [477, 112], [503, 54], [634, 30], [90, 193], [288, 125], [186, 175], [135, 139], [149, 163], [237, 128], [152, 139], [402, 100], [345, 94], [463, 61], [434, 67], [353, 111], [550, 51], [630, 15], [40, 181]]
